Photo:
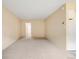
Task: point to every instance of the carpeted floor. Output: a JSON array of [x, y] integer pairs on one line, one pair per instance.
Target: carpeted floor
[[34, 49]]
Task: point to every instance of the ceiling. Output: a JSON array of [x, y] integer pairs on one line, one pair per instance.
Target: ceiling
[[33, 9]]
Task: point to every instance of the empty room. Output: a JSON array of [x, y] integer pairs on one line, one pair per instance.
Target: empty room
[[38, 29]]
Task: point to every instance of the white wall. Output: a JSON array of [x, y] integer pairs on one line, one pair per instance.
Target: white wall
[[11, 28], [55, 30], [71, 25]]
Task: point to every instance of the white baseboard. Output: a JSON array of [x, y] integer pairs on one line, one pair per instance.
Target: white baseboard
[[9, 44]]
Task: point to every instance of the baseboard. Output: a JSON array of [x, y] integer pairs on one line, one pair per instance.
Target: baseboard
[[8, 45], [39, 37], [12, 42]]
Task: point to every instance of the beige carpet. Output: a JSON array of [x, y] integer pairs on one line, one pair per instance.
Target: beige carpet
[[34, 49]]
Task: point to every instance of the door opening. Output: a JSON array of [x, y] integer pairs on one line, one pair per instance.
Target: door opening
[[28, 30]]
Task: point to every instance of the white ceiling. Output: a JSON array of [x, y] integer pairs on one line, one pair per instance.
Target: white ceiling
[[33, 9]]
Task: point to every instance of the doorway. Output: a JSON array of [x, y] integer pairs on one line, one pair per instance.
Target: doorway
[[28, 30]]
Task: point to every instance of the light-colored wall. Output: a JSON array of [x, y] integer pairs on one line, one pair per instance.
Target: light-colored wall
[[71, 25], [38, 28], [23, 29], [55, 30], [11, 28]]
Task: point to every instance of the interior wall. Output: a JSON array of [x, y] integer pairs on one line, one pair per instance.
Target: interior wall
[[11, 28], [56, 28], [71, 24], [23, 29], [38, 28]]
